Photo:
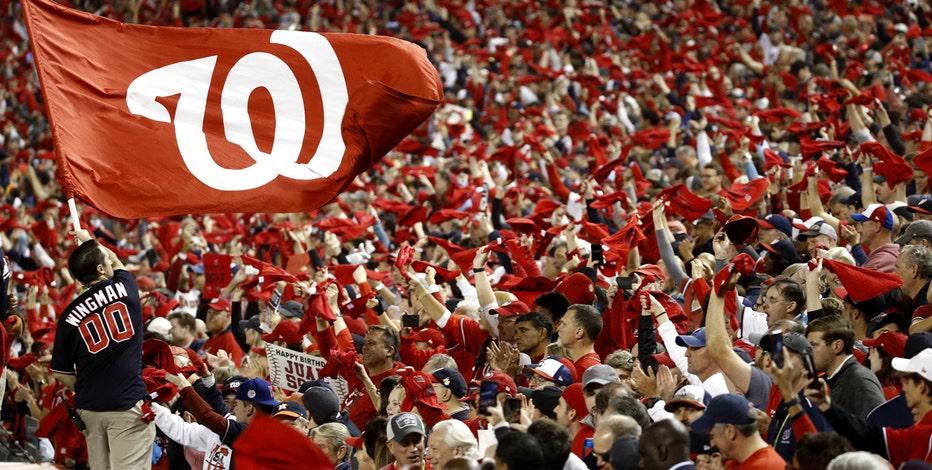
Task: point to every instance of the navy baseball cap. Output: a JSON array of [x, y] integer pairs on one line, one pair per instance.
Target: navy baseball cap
[[322, 403], [784, 249], [727, 408], [921, 203], [777, 221], [290, 409], [695, 340], [256, 390], [232, 384], [452, 380]]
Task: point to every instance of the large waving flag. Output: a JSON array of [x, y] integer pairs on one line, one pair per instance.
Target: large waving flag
[[152, 121]]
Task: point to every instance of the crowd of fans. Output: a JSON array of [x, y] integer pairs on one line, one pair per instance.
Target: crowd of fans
[[692, 234]]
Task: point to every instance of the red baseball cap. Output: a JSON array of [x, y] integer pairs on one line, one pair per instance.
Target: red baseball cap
[[220, 304], [511, 309]]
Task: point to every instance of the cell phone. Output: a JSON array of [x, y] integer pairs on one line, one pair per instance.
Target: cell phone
[[488, 396], [410, 321], [597, 258], [776, 348], [512, 409], [625, 282], [811, 371]]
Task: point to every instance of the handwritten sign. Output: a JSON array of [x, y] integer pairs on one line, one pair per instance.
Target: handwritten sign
[[289, 369]]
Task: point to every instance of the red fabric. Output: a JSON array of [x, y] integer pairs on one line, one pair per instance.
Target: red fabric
[[912, 443], [270, 443], [891, 166], [743, 196], [356, 74], [682, 201], [862, 284]]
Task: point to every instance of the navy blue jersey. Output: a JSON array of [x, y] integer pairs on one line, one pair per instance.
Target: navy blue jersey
[[99, 338]]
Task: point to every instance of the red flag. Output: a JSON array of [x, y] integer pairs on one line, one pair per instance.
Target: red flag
[[862, 283], [743, 196], [269, 443], [891, 166], [217, 274], [138, 127], [924, 160], [682, 201]]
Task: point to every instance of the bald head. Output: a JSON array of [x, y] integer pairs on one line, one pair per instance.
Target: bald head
[[664, 444]]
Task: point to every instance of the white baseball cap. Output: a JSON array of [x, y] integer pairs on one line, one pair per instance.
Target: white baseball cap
[[920, 364]]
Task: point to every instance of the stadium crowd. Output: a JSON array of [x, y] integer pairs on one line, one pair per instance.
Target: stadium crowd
[[691, 234]]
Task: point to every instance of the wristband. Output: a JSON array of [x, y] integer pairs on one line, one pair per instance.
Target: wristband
[[791, 403], [478, 270], [425, 294]]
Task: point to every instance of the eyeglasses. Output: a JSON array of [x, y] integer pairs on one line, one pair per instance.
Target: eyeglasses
[[602, 455], [771, 300]]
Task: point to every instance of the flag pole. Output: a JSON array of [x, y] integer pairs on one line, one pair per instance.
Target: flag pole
[[75, 220]]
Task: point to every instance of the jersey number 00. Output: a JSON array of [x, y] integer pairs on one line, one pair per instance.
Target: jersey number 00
[[113, 324]]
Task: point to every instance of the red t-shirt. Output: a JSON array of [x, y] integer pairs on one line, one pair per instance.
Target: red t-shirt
[[585, 362], [226, 342], [764, 459]]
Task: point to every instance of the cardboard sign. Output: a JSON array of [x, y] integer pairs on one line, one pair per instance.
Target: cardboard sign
[[289, 369]]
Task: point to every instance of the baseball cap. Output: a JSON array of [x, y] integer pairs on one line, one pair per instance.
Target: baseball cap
[[880, 321], [892, 343], [920, 364], [692, 395], [403, 424], [578, 288], [785, 249], [900, 28], [776, 221], [452, 380], [220, 304], [546, 400], [695, 340], [505, 383], [918, 228], [322, 404], [511, 309], [921, 203], [819, 228], [871, 307], [232, 384], [878, 213], [551, 369], [291, 309], [290, 409], [852, 200], [916, 343], [726, 408], [573, 395], [159, 326], [599, 374], [251, 323], [256, 390], [287, 331]]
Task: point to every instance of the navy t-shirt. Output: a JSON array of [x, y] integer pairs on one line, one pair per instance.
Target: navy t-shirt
[[99, 338]]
